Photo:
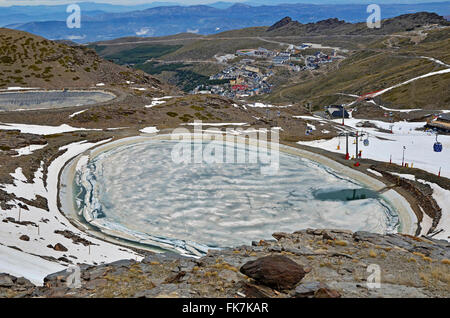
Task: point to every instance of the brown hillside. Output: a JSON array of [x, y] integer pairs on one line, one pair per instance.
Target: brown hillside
[[32, 61]]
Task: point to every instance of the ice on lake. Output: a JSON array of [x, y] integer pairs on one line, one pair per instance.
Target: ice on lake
[[220, 205]]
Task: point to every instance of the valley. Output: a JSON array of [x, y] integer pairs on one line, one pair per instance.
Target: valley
[[293, 79]]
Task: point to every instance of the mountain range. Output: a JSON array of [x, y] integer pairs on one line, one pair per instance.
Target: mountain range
[[105, 22]]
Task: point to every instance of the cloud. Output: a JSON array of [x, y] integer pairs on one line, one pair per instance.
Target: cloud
[[144, 31], [76, 37]]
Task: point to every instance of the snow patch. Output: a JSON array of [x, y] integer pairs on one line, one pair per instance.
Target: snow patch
[[28, 150], [375, 172], [77, 113], [41, 130], [149, 130], [18, 88], [20, 264], [154, 103], [262, 105], [215, 124]]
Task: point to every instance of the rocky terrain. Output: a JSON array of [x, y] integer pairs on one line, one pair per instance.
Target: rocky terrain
[[406, 22], [308, 263], [13, 139], [132, 110]]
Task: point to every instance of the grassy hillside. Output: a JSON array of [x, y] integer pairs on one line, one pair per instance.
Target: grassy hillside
[[430, 93], [435, 44], [180, 75], [207, 49], [141, 53], [381, 65], [128, 43], [29, 60]]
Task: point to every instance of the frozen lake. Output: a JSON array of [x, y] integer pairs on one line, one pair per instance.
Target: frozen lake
[[139, 190], [29, 100]]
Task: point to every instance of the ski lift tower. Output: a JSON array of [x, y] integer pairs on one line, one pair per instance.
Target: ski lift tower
[[347, 154], [403, 157], [308, 106]]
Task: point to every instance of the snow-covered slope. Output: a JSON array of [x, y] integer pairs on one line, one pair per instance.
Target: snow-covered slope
[[419, 145], [42, 225], [419, 153]]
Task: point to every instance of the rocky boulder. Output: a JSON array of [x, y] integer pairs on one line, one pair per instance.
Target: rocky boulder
[[327, 293], [6, 280], [277, 271], [307, 290], [315, 290], [9, 281], [60, 248]]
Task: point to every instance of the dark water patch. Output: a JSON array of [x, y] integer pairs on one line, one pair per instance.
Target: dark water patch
[[345, 195], [28, 100]]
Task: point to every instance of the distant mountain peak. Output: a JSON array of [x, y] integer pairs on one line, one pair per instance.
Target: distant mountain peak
[[421, 18], [400, 23], [283, 22], [331, 22], [240, 6], [287, 22]]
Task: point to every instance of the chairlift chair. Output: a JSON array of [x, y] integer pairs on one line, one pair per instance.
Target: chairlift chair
[[366, 141], [437, 147]]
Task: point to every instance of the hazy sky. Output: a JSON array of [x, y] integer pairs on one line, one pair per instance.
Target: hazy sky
[[121, 2], [187, 2]]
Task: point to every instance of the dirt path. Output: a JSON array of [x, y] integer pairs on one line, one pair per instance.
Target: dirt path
[[209, 38]]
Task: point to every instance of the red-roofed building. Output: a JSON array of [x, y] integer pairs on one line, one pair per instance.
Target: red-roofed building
[[240, 87]]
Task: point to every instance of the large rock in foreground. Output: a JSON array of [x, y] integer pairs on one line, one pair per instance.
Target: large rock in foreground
[[278, 272]]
